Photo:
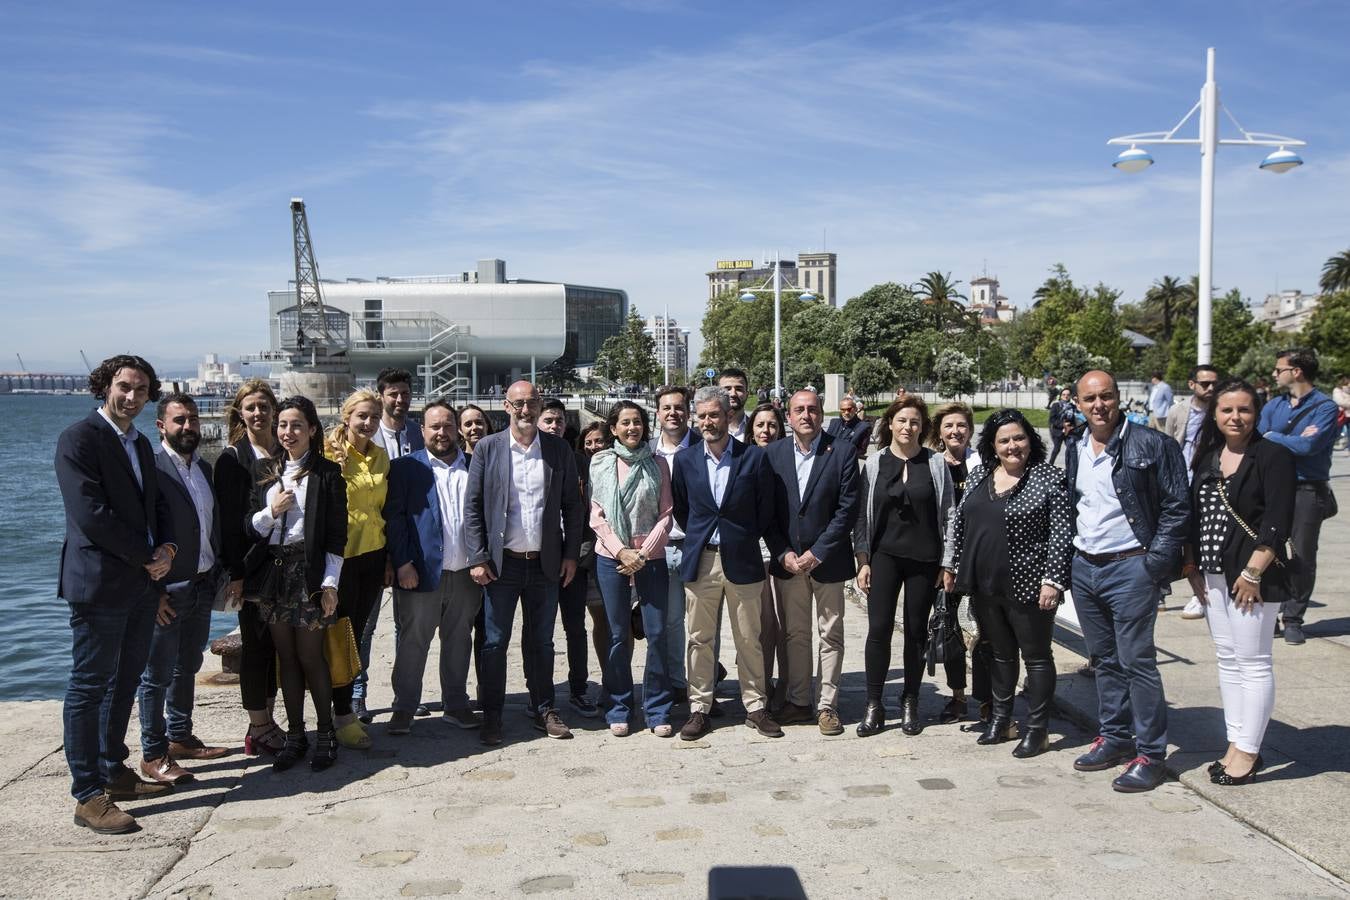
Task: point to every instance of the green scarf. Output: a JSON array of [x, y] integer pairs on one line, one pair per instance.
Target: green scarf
[[633, 507]]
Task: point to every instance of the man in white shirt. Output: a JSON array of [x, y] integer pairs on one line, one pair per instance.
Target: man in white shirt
[[673, 435], [424, 522]]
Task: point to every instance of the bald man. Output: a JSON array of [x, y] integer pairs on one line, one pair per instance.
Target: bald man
[[1132, 509]]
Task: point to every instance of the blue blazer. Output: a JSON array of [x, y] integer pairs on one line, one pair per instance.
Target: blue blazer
[[745, 515], [413, 525], [186, 527], [820, 520], [113, 524], [485, 502]]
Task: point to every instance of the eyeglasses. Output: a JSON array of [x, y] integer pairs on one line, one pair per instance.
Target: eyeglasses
[[1205, 384], [1281, 369], [518, 405], [183, 420]]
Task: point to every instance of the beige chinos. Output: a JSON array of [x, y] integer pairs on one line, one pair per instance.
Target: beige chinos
[[794, 597], [703, 606]]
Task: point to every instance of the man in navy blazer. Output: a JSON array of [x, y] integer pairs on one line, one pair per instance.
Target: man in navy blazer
[[723, 492], [186, 595], [815, 504], [424, 526], [522, 485], [119, 541]]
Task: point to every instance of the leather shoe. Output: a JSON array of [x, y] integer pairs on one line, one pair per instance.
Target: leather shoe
[[191, 747], [697, 726], [954, 711], [400, 722], [124, 785], [165, 770], [792, 714], [491, 731], [909, 715], [100, 815], [999, 729], [422, 711], [1102, 756], [873, 720], [760, 721], [1035, 741], [1143, 774], [1293, 633], [359, 709], [828, 722]]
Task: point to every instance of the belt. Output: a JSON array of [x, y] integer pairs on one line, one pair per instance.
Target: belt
[[516, 554], [1101, 559], [1311, 485]]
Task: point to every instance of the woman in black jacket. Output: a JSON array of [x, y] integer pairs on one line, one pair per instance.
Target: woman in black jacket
[[299, 511], [1010, 548], [251, 420], [1242, 508]]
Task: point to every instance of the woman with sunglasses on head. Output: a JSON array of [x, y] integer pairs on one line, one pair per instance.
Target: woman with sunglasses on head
[[1011, 541], [299, 510], [1242, 510]]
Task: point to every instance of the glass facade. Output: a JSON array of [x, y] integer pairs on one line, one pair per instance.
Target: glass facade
[[592, 316], [288, 321]]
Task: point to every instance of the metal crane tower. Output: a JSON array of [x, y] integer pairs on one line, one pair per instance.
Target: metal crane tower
[[315, 335]]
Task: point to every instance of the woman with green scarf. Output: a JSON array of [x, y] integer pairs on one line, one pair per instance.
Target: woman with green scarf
[[631, 515]]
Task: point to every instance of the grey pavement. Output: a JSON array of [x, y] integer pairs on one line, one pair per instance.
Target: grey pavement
[[436, 814]]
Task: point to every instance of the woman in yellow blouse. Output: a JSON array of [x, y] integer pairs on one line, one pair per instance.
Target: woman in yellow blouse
[[365, 469]]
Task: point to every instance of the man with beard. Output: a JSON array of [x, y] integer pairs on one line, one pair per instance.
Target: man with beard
[[673, 435], [737, 386], [183, 619]]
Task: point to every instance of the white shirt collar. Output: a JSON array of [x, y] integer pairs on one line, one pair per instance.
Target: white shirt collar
[[178, 457], [521, 448], [130, 434], [437, 462]]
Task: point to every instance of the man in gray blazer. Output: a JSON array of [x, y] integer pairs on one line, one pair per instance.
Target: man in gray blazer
[[186, 593], [522, 485]]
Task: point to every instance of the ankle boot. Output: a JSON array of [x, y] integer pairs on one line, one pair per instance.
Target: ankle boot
[[291, 752], [325, 749], [909, 715], [1035, 741], [873, 720], [1000, 728]]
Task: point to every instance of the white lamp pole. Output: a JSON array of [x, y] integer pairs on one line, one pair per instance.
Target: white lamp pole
[[749, 295], [1136, 160]]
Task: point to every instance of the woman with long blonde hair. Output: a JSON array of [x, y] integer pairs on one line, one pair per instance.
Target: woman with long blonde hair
[[365, 469]]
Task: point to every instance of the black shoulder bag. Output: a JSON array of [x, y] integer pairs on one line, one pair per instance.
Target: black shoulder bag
[[945, 643]]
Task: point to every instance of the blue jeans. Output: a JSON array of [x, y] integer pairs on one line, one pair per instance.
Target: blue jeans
[[674, 653], [1117, 607], [169, 679], [521, 580], [618, 680], [110, 643]]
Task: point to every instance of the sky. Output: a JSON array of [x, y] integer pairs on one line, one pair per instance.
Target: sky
[[148, 152]]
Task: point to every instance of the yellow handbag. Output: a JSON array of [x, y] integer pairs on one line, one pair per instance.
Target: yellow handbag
[[339, 646]]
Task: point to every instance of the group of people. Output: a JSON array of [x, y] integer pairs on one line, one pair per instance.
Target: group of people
[[658, 530]]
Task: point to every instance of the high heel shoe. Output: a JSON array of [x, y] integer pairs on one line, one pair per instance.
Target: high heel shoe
[[291, 752], [909, 715], [999, 729], [262, 739], [1220, 775], [1035, 741], [325, 750], [873, 720]]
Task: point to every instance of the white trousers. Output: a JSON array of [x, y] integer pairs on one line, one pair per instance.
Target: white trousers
[[1242, 643]]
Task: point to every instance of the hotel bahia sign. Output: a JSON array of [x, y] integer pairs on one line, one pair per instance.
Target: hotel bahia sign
[[735, 264]]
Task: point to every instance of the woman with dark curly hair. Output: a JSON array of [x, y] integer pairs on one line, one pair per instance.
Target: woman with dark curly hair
[[1010, 549]]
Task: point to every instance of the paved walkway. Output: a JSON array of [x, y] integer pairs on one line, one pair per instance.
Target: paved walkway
[[435, 814]]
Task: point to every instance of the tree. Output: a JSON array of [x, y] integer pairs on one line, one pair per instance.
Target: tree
[[1097, 327], [1256, 361], [955, 373], [871, 376], [1070, 361], [1058, 302], [560, 374], [946, 304], [1336, 273], [740, 332], [878, 321], [1163, 302], [1328, 332], [629, 357]]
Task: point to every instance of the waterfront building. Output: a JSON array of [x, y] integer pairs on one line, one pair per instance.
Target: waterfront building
[[1288, 311], [672, 345], [814, 272]]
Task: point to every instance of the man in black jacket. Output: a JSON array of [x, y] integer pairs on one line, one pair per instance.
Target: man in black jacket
[[1131, 509]]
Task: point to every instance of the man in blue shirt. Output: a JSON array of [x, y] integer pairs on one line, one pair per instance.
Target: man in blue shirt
[[1304, 420], [1159, 401]]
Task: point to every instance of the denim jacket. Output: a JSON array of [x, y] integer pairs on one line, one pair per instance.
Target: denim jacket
[[1149, 475]]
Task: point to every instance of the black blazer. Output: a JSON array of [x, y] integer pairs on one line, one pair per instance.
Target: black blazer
[[821, 519], [325, 515], [113, 524], [746, 513], [186, 526], [1263, 495], [236, 476]]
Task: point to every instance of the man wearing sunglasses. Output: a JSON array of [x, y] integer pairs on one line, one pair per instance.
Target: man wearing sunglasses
[[1183, 424]]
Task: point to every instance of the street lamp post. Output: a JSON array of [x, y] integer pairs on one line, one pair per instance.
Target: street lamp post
[[1136, 160], [749, 295]]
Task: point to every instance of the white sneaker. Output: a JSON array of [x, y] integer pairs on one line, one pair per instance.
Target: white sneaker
[[1194, 610]]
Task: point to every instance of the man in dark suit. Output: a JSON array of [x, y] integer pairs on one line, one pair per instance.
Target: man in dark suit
[[424, 522], [119, 541], [183, 620], [723, 493], [815, 504], [851, 426], [522, 483]]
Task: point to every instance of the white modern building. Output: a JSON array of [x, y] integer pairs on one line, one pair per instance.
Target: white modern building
[[1289, 310], [672, 345]]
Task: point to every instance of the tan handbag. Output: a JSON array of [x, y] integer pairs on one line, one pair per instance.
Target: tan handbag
[[339, 646]]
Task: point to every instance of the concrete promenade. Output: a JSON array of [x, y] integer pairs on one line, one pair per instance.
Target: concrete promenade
[[436, 814]]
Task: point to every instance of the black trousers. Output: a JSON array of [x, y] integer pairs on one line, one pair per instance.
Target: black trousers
[[1012, 627], [257, 660], [359, 589], [1057, 439], [1311, 505], [890, 574]]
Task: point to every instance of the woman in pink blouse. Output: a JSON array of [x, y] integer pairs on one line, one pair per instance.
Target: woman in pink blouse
[[631, 515]]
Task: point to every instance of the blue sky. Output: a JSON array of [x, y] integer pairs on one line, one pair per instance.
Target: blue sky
[[148, 151]]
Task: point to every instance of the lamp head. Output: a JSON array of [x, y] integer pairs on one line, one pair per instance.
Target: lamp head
[[807, 296], [748, 296], [1133, 160], [1281, 160]]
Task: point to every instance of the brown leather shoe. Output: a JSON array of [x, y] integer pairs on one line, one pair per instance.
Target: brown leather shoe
[[125, 785], [760, 721], [100, 815], [829, 723], [191, 747], [697, 726], [552, 725], [792, 714], [165, 770]]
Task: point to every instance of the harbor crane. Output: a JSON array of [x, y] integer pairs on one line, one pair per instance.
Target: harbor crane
[[22, 367], [312, 330], [86, 362]]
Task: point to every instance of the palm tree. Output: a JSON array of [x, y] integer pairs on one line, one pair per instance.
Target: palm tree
[[1336, 273], [1168, 295], [939, 292]]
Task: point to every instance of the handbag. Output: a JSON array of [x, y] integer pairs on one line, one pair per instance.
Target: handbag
[[223, 602], [266, 582], [944, 638], [1288, 543], [339, 648]]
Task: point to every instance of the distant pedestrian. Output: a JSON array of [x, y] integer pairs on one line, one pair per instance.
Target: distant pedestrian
[[1159, 401], [851, 425], [1303, 419], [1063, 419], [1341, 394]]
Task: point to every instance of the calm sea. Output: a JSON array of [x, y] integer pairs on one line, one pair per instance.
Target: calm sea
[[37, 638]]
